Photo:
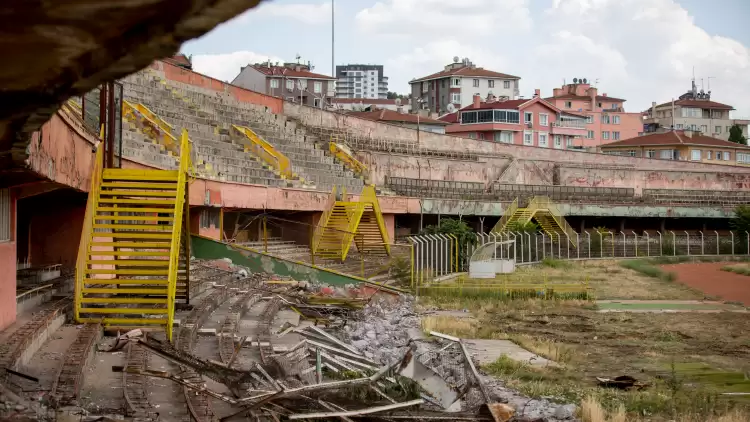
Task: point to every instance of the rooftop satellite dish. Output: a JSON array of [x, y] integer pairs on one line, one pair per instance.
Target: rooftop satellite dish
[[450, 107], [575, 80], [455, 59]]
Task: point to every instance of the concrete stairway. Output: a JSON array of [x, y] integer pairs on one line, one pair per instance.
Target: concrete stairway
[[208, 116]]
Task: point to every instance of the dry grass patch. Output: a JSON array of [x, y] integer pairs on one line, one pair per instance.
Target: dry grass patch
[[451, 325]]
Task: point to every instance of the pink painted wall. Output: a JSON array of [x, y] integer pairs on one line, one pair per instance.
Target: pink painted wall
[[179, 74], [8, 271], [51, 242]]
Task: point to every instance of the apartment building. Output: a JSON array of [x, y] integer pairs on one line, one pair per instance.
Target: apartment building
[[530, 122], [361, 81], [694, 111], [606, 118], [456, 85], [684, 145], [293, 82]]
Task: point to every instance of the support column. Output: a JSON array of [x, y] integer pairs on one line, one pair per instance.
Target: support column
[[481, 224], [583, 225], [663, 225], [622, 225]]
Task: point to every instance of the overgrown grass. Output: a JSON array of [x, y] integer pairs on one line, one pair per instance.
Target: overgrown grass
[[451, 325], [648, 269], [556, 263], [737, 269]]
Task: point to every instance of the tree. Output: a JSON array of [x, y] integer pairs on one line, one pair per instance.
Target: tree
[[736, 136], [741, 223], [393, 95], [458, 228]]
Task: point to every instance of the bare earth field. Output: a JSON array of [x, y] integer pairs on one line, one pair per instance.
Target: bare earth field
[[709, 278], [688, 360]]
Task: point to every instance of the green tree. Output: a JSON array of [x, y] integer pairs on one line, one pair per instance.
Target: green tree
[[741, 223], [736, 136], [458, 228]]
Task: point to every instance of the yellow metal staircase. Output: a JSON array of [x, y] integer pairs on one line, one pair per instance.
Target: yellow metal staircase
[[129, 257], [347, 221], [544, 212]]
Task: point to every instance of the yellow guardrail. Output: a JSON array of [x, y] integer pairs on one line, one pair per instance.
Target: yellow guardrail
[[545, 202], [500, 226], [158, 128], [266, 152], [174, 254], [341, 152], [87, 232]]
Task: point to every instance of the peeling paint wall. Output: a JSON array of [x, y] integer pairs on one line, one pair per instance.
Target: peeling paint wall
[[203, 248], [8, 271]]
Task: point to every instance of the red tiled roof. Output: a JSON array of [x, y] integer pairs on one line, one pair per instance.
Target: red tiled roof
[[289, 73], [675, 137], [510, 105], [389, 101], [466, 71], [584, 98], [450, 118], [394, 116], [699, 104], [179, 60]]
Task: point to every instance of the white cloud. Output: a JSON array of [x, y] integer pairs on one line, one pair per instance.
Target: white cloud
[[226, 66], [425, 19], [313, 14]]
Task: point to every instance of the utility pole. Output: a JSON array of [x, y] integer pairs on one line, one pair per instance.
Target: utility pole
[[333, 38]]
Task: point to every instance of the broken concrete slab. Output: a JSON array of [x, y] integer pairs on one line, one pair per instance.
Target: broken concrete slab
[[488, 351]]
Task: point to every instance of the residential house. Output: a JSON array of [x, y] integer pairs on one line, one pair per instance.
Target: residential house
[[363, 104], [455, 86], [361, 81], [685, 145], [412, 121], [606, 118], [293, 82], [694, 111], [530, 122]]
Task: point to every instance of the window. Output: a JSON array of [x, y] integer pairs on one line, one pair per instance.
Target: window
[[528, 138], [605, 118], [472, 135], [709, 155], [616, 136], [504, 137], [543, 140], [589, 119], [569, 142], [425, 86], [290, 84], [718, 155], [704, 128], [729, 128], [691, 112], [476, 83], [678, 126], [274, 83], [717, 129], [568, 104], [490, 83], [291, 99], [543, 119], [599, 105], [743, 157], [650, 153], [727, 156], [209, 218], [631, 153], [614, 106], [558, 142], [456, 98], [488, 116], [506, 84], [316, 102], [5, 212], [481, 136], [615, 120], [456, 82], [528, 117], [442, 83], [590, 134], [605, 135], [666, 154], [318, 87], [695, 155], [716, 114]]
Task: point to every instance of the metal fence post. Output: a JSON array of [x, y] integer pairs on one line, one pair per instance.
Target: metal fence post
[[624, 245], [559, 247], [718, 251], [687, 236], [635, 240], [494, 252], [413, 267], [660, 244], [536, 246], [747, 237], [674, 244], [528, 243], [702, 244], [521, 235], [648, 243], [544, 248], [732, 239], [578, 246], [601, 245], [588, 239], [446, 254]]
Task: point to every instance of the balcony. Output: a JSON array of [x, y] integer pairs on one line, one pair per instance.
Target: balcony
[[569, 127]]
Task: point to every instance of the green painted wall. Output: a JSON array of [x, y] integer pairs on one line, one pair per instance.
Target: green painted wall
[[205, 248]]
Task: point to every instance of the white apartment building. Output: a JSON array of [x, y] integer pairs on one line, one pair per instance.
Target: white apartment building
[[458, 83], [361, 81]]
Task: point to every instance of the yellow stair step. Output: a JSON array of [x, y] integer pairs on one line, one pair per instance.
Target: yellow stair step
[[129, 322], [136, 235], [134, 218], [126, 281], [130, 253], [130, 262], [125, 291], [137, 201], [166, 244], [165, 210], [140, 175], [140, 185], [125, 272], [124, 311], [120, 300], [140, 193]]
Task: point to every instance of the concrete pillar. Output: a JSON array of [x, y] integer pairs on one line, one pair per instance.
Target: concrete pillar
[[622, 225]]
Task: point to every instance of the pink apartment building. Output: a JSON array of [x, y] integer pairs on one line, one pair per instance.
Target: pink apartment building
[[530, 122], [606, 119]]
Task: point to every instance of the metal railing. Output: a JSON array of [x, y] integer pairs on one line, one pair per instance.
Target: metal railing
[[151, 124], [544, 202], [266, 152], [347, 158], [500, 226]]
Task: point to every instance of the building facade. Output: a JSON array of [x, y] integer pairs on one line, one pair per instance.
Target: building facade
[[293, 82], [694, 111], [363, 104], [531, 122], [361, 81], [606, 118], [686, 145], [454, 87], [411, 121]]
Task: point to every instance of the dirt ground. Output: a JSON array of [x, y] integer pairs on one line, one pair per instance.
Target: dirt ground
[[708, 278]]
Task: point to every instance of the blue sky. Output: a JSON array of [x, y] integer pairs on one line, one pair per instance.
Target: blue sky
[[640, 50]]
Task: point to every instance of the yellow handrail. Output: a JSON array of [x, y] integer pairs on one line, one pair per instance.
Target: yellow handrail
[[370, 196], [161, 130], [500, 226], [323, 221], [266, 152], [345, 156], [174, 254], [545, 202], [88, 221]]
